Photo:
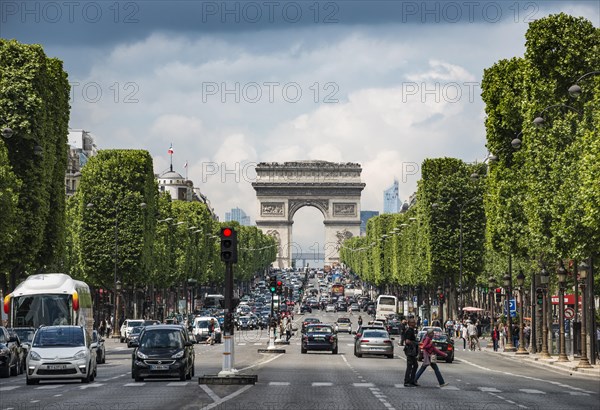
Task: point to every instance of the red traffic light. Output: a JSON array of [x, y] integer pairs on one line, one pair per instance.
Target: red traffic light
[[227, 232], [279, 283]]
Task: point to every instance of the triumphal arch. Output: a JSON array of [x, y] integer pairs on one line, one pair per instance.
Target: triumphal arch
[[332, 188]]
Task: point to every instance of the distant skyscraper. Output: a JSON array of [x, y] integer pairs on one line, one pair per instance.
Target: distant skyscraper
[[391, 199], [238, 215], [364, 217]]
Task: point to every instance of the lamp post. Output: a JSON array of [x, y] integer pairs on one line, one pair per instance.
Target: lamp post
[[544, 278], [508, 347], [117, 328], [562, 278], [575, 89], [492, 283], [583, 272], [520, 283], [440, 295]]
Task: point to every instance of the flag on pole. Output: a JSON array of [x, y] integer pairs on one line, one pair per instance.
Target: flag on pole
[[170, 151], [185, 165]]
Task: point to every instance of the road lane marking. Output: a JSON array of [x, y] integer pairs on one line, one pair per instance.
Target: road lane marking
[[210, 393], [532, 391], [226, 398], [9, 388], [264, 362], [134, 384], [279, 383], [578, 393], [363, 384], [321, 384], [490, 389], [177, 384], [55, 386], [87, 386]]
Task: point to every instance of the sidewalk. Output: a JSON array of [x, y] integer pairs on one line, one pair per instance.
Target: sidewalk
[[534, 359]]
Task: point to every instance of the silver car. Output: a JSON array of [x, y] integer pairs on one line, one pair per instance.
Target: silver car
[[343, 324], [374, 341], [61, 352]]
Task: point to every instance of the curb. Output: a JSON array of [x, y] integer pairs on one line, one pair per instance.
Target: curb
[[568, 367]]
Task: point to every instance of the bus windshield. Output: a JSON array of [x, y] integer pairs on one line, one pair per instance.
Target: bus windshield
[[37, 310], [387, 301]]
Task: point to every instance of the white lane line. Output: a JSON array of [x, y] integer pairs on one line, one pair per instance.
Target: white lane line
[[532, 391], [490, 389], [363, 384], [264, 362], [322, 384], [210, 393], [578, 393], [177, 384], [134, 384], [55, 386], [87, 386], [9, 388], [352, 344], [58, 395], [231, 396], [244, 344], [258, 344], [279, 383]]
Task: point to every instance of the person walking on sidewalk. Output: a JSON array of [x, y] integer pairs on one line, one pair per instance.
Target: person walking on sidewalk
[[430, 353], [495, 337]]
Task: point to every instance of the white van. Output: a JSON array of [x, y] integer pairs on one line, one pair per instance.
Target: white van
[[200, 329]]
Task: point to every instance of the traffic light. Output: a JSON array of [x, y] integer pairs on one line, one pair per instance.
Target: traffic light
[[498, 295], [229, 245], [279, 287], [441, 297], [540, 297], [273, 284]]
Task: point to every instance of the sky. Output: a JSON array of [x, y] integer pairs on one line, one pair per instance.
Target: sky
[[233, 83]]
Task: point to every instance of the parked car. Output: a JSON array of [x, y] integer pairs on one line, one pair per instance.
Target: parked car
[[126, 327], [163, 351], [10, 353], [72, 344], [374, 341], [98, 344], [319, 336]]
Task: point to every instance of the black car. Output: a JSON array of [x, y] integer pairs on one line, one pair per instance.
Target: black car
[[163, 351], [442, 342], [9, 353], [319, 336], [394, 327], [25, 336], [305, 308], [341, 307]]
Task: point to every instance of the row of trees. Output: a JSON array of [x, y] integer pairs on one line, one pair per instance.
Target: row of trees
[[120, 225], [103, 231], [535, 205], [34, 104]]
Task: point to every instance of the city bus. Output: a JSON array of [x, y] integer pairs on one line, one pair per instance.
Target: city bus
[[50, 299], [386, 305]]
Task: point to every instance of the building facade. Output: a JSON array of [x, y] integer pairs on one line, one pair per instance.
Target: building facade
[[391, 199], [364, 217], [182, 189], [238, 215], [81, 149]]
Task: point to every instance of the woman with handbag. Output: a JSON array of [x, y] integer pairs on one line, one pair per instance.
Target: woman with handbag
[[430, 353]]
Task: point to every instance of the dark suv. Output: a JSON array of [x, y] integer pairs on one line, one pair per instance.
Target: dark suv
[[163, 351]]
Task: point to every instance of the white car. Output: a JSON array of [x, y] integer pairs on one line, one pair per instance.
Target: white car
[[126, 327], [61, 352], [330, 308]]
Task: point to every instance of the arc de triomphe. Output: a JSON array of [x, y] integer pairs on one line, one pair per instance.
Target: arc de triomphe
[[332, 188]]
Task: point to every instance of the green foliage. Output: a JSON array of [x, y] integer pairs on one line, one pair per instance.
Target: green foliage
[[9, 198], [34, 102]]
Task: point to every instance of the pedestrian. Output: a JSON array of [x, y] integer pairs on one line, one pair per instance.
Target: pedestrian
[[411, 350], [495, 337], [473, 339], [288, 329], [211, 332], [464, 335], [430, 353], [527, 335], [360, 320], [102, 328]]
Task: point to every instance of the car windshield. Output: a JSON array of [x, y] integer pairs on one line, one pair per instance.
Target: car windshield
[[319, 329], [59, 337], [162, 339], [371, 333], [343, 320], [136, 330], [25, 335], [133, 323]]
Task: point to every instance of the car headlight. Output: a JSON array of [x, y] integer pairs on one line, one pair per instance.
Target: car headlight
[[80, 355], [177, 355], [141, 355], [34, 356]]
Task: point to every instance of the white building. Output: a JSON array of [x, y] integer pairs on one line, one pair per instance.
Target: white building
[[81, 148]]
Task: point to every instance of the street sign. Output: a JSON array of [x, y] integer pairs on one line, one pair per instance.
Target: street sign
[[569, 313], [512, 307], [415, 299]]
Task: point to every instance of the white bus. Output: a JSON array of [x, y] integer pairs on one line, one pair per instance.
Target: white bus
[[386, 305], [50, 299]]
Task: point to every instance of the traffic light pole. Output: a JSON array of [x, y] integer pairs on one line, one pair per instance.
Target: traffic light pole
[[228, 346]]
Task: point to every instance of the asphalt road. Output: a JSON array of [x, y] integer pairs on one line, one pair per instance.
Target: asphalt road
[[317, 380]]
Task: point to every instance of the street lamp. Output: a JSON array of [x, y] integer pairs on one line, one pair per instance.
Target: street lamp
[[520, 283], [575, 89], [440, 295], [562, 278], [492, 283], [544, 279], [583, 272], [539, 120], [117, 328], [508, 347]]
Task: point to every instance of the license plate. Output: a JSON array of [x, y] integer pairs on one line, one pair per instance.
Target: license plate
[[56, 366], [159, 367]]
